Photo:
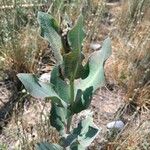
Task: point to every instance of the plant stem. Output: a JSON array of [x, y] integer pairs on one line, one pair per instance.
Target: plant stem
[[72, 90], [71, 103], [69, 124]]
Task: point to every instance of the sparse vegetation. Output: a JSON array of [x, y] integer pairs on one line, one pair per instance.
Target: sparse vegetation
[[126, 95]]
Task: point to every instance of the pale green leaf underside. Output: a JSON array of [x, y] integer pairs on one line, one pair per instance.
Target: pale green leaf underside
[[83, 135], [96, 61], [89, 132], [48, 146], [39, 89], [49, 31]]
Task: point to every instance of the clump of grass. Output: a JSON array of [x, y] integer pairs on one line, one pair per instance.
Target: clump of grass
[[132, 66], [20, 56], [138, 69], [137, 11], [18, 27], [130, 69]]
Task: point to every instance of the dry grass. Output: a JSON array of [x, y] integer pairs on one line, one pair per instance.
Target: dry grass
[[128, 67], [29, 126], [131, 68], [20, 57], [136, 134], [136, 13]]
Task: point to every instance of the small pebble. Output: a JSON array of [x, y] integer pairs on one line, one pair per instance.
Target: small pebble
[[115, 124], [95, 46]]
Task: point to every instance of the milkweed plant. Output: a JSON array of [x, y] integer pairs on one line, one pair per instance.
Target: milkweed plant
[[72, 83]]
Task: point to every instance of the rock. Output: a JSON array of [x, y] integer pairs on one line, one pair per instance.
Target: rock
[[112, 20], [45, 77], [95, 46], [115, 124]]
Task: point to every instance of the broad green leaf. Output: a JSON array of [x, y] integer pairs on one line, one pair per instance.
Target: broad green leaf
[[58, 118], [83, 135], [76, 35], [50, 31], [39, 89], [61, 87], [95, 63], [48, 146], [82, 100], [72, 64]]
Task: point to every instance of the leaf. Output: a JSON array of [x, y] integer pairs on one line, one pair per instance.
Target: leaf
[[58, 118], [48, 146], [39, 89], [96, 77], [83, 135], [76, 35], [72, 64], [82, 100], [49, 31], [60, 86], [76, 146]]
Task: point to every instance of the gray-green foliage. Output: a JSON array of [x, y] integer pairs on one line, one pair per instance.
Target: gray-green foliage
[[50, 31], [72, 84]]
